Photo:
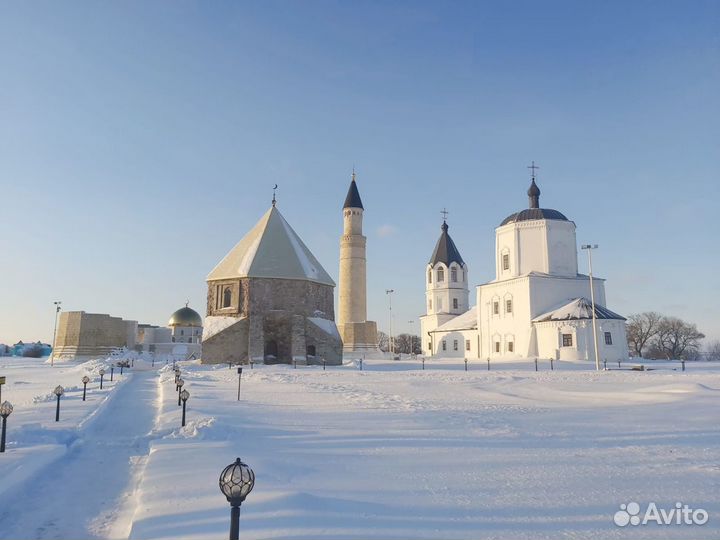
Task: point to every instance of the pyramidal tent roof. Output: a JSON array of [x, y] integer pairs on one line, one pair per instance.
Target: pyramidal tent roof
[[272, 249], [578, 308], [445, 249], [352, 200]]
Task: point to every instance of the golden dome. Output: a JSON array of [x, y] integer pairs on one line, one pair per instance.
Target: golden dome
[[185, 317]]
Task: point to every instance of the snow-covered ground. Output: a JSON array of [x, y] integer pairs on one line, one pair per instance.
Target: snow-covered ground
[[388, 452]]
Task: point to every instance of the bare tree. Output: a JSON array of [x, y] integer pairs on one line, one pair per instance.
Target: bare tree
[[641, 329], [383, 341], [713, 351], [678, 339]]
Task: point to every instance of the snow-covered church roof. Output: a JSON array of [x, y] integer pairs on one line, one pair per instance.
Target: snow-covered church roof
[[578, 308], [272, 249], [466, 321]]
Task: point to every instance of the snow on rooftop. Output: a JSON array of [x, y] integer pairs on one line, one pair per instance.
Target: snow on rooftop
[[271, 249], [466, 321], [326, 325], [578, 308], [215, 325]]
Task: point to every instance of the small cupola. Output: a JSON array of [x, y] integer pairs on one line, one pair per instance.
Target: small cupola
[[534, 195]]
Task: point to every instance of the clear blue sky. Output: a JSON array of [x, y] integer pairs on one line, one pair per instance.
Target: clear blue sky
[[139, 141]]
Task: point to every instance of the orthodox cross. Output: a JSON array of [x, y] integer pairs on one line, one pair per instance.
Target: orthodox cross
[[353, 173], [444, 213], [532, 168]]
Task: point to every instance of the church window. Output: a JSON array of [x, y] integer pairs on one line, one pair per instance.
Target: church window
[[506, 261], [440, 275], [430, 346], [429, 305], [567, 340], [453, 274], [497, 346], [173, 339], [455, 303], [227, 297], [444, 345], [608, 338], [429, 276], [508, 306], [455, 345], [496, 308], [182, 332], [510, 346], [467, 344]]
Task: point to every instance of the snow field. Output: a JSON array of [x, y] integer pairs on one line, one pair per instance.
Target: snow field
[[395, 452], [388, 452]]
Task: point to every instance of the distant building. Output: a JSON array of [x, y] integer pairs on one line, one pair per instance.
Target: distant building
[[83, 335], [537, 305], [270, 300]]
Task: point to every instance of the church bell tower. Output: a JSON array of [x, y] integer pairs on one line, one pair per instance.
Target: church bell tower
[[357, 333]]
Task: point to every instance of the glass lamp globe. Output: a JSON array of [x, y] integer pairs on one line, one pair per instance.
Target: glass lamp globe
[[180, 382], [184, 395], [236, 481], [85, 379], [6, 409], [59, 390], [101, 372]]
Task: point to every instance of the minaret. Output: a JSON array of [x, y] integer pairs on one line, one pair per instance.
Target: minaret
[[357, 333], [446, 288]]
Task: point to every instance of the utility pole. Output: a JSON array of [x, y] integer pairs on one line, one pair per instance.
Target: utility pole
[[52, 351], [411, 337], [390, 338], [589, 249]]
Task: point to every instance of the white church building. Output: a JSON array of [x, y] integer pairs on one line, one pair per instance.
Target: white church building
[[537, 306]]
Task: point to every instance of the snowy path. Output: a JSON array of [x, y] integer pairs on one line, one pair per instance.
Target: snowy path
[[77, 497]]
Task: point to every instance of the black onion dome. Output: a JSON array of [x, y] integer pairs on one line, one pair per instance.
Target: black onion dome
[[352, 200], [445, 250], [534, 211]]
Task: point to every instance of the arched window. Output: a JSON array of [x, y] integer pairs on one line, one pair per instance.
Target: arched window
[[455, 303], [429, 276], [440, 275], [227, 297], [453, 274]]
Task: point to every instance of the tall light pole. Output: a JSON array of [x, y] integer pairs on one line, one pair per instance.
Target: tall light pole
[[52, 351], [589, 248], [410, 335], [390, 338]]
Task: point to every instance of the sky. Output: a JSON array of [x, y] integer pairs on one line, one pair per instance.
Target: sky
[[139, 141]]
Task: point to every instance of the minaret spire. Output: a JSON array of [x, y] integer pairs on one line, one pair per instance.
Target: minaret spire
[[273, 200]]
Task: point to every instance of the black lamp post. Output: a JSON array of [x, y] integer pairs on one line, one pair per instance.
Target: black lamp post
[[59, 391], [239, 379], [112, 372], [102, 374], [236, 482], [465, 364], [184, 395], [5, 409], [423, 363], [180, 383], [85, 380]]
